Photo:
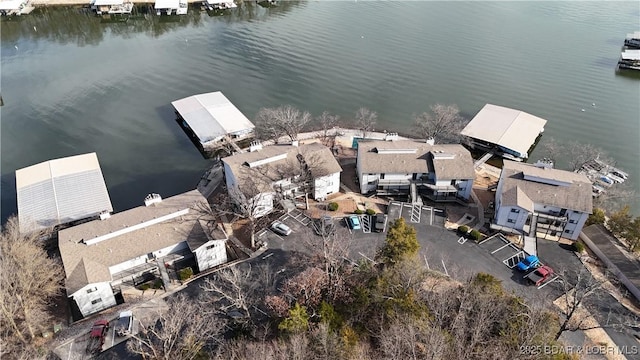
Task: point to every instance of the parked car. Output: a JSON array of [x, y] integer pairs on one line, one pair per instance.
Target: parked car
[[381, 222], [324, 226], [354, 222], [280, 228], [540, 275], [528, 263], [97, 336], [125, 323]]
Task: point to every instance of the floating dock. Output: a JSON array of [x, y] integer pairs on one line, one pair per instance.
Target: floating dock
[[630, 60], [602, 176], [632, 41]]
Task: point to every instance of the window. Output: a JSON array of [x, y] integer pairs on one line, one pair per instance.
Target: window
[[89, 291], [381, 176], [568, 231], [511, 221], [93, 302], [572, 221], [213, 246], [515, 211]]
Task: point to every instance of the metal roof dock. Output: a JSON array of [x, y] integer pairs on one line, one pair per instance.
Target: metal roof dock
[[60, 191], [212, 117], [511, 132]]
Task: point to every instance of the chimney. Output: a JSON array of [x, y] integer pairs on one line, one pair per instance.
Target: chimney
[[255, 146], [431, 141], [104, 215], [152, 199], [294, 143]]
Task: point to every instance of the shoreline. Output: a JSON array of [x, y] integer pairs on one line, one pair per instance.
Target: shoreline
[[47, 3]]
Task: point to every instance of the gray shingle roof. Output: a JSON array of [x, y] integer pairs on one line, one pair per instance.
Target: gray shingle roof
[[60, 191], [539, 188], [319, 158], [85, 264], [447, 161]]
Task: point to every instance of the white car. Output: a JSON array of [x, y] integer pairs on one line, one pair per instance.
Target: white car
[[280, 228]]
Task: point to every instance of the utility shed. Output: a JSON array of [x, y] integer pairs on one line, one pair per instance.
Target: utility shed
[[511, 132], [212, 116], [60, 191]]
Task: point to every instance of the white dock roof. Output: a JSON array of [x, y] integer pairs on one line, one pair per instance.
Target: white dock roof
[[60, 191], [11, 4], [211, 116], [509, 128], [107, 2], [167, 4], [635, 35], [631, 55]]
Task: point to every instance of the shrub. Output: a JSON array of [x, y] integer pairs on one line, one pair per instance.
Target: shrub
[[333, 206], [157, 284], [578, 246], [359, 212], [475, 234], [185, 273], [463, 229], [370, 212], [144, 287]]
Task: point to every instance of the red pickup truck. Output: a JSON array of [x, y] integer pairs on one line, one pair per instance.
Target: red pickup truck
[[540, 275], [97, 336]]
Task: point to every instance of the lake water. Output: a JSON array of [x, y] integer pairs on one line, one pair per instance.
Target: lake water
[[74, 83]]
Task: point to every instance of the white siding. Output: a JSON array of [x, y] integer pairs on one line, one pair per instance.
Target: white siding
[[368, 182], [464, 187], [210, 254], [515, 219], [145, 258], [263, 204], [575, 227], [101, 293], [326, 185]]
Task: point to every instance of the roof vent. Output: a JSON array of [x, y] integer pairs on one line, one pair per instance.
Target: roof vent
[[152, 199], [104, 215], [391, 136], [255, 146], [431, 141]]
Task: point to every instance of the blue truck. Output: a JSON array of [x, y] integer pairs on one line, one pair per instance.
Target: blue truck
[[528, 263]]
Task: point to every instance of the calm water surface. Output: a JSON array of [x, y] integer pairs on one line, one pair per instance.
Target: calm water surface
[[74, 83]]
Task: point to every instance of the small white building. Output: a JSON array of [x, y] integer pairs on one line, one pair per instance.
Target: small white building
[[60, 191], [169, 7], [542, 202], [220, 4], [441, 172], [510, 133], [262, 173], [103, 7], [12, 7], [121, 249], [211, 117]]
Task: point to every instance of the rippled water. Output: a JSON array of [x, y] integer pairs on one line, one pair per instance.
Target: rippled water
[[74, 83]]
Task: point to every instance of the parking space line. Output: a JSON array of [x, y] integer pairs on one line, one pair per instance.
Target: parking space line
[[487, 239], [366, 223], [426, 262], [267, 256], [416, 211], [510, 262], [445, 268], [500, 248], [548, 282]]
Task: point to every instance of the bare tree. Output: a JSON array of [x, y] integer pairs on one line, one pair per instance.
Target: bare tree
[[577, 289], [284, 120], [185, 330], [240, 289], [30, 279], [574, 153], [327, 122], [412, 338], [443, 123], [366, 120]]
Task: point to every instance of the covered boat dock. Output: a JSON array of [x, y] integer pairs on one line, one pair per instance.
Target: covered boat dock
[[211, 118], [508, 132]]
